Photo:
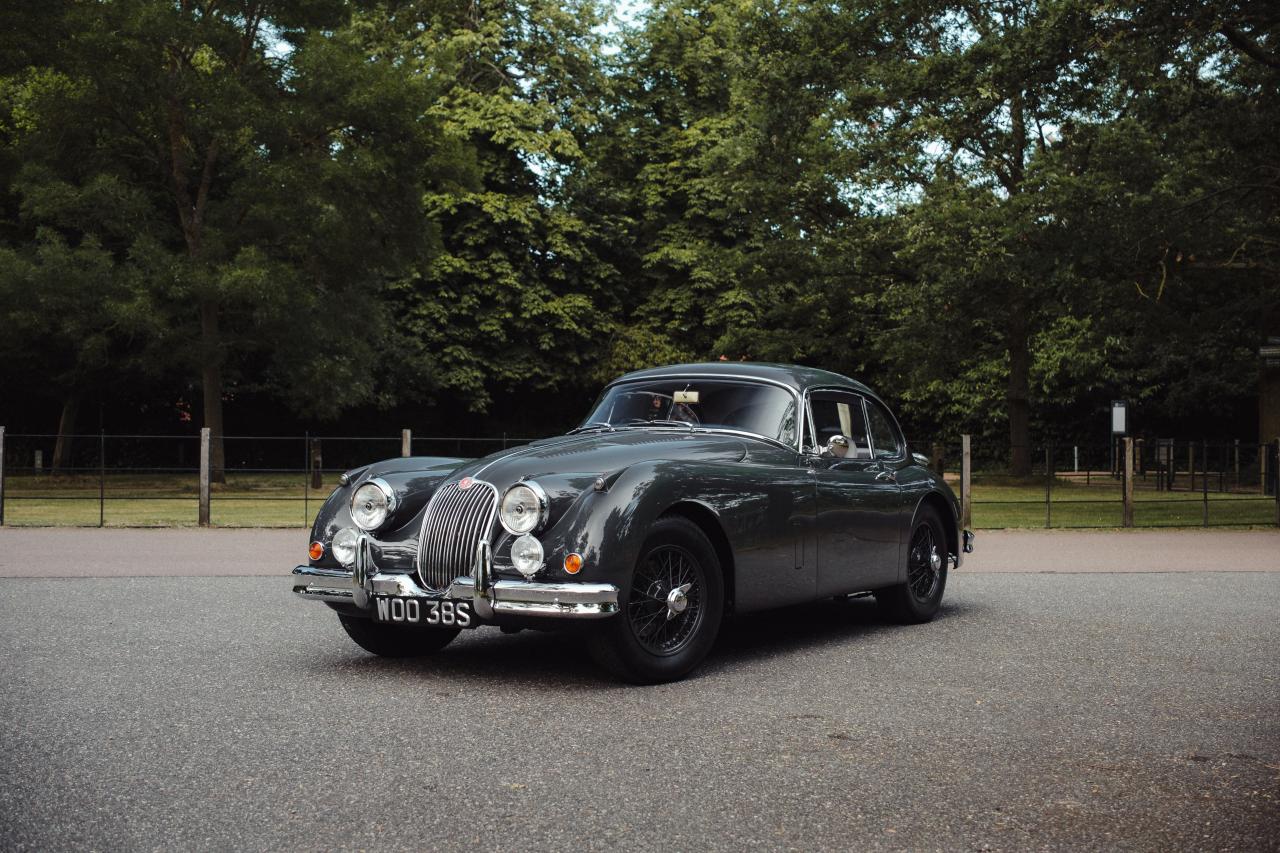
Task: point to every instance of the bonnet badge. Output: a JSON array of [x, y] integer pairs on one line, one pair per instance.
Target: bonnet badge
[[465, 483]]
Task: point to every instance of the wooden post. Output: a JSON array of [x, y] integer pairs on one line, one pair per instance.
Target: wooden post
[[317, 462], [1204, 478], [39, 460], [406, 442], [936, 458], [1, 476], [966, 489], [1048, 486], [1264, 451], [306, 478], [102, 479], [1127, 511], [1191, 465], [204, 476], [1277, 445]]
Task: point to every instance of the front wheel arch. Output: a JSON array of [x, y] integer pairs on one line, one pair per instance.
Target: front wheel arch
[[709, 523]]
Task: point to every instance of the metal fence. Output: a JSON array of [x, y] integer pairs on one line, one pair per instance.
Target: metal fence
[[155, 480], [1173, 483]]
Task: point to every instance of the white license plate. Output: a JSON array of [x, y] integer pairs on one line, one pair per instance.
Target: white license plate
[[423, 611]]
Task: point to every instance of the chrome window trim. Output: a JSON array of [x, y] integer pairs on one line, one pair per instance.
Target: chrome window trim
[[902, 453], [821, 389], [760, 380]]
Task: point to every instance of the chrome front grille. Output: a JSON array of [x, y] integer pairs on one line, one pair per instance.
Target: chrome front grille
[[455, 521]]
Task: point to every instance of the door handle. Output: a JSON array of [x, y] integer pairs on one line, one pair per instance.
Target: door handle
[[886, 477]]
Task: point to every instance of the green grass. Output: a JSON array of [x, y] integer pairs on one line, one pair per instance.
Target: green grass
[[999, 502], [168, 500], [282, 500]]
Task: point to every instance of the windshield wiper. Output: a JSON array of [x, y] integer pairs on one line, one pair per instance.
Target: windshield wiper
[[593, 425], [660, 422]]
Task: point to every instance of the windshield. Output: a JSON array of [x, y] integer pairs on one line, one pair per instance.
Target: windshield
[[765, 410]]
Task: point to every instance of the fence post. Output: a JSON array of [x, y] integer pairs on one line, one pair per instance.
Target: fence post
[[1277, 489], [306, 477], [1048, 486], [1264, 451], [39, 460], [1075, 459], [102, 478], [1191, 465], [1127, 495], [1237, 469], [1, 476], [204, 477], [966, 491], [1204, 477], [406, 442], [317, 462]]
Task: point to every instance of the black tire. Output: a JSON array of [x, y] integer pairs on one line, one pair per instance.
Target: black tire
[[650, 641], [393, 641], [920, 597]]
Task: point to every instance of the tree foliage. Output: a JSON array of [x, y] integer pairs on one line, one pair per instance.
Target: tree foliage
[[1003, 215]]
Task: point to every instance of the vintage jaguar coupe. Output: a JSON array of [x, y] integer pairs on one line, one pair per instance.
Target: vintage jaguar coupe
[[689, 492]]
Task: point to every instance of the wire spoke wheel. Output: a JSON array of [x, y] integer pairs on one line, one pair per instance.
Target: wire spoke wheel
[[924, 563], [667, 600]]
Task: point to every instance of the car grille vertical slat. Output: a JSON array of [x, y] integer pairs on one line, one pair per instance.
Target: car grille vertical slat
[[455, 521]]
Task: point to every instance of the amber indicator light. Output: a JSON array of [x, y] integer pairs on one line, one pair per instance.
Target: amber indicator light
[[573, 563], [316, 550]]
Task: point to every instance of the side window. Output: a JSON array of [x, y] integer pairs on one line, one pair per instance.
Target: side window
[[884, 435], [839, 414]]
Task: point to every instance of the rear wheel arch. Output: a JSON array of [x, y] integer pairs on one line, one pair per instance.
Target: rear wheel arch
[[947, 514]]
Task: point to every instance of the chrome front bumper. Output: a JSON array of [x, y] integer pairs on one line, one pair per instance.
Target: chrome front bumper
[[503, 597]]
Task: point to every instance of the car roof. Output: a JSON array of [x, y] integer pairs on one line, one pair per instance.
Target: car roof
[[792, 375]]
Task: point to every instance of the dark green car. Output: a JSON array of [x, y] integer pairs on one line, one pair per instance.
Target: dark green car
[[689, 492]]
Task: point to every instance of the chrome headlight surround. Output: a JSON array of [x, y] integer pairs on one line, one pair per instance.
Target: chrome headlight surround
[[379, 501], [524, 508]]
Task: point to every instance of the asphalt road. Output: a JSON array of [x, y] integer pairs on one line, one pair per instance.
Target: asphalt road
[[1099, 711]]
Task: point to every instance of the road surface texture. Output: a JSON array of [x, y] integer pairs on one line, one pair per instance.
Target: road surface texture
[[1091, 710]]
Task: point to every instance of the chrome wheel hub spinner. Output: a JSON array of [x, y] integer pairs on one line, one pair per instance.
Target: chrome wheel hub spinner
[[677, 601]]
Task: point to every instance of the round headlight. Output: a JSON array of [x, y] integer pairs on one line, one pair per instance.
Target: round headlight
[[526, 555], [372, 503], [343, 546], [524, 508]]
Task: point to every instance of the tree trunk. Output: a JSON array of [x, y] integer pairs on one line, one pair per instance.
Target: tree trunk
[[66, 428], [1018, 392], [211, 382]]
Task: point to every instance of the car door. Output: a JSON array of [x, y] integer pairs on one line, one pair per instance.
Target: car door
[[889, 449], [859, 501]]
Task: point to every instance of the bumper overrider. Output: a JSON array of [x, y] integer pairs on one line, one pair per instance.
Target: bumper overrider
[[488, 597]]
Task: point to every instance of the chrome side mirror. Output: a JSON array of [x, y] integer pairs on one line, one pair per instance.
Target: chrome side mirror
[[837, 445]]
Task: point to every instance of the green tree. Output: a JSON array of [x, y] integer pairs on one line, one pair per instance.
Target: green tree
[[273, 171]]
